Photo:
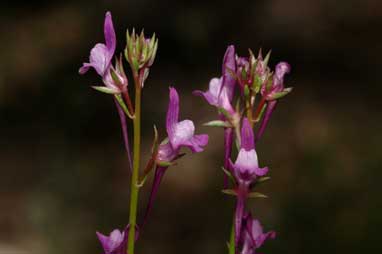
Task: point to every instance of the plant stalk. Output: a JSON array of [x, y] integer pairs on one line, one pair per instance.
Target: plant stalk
[[136, 162]]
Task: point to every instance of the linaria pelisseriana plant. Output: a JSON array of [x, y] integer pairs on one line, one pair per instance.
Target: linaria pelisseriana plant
[[243, 78]]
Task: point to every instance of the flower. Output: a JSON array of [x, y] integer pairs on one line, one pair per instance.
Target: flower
[[246, 168], [101, 54], [115, 243], [276, 90], [180, 134], [253, 236], [217, 95], [221, 90], [100, 58]]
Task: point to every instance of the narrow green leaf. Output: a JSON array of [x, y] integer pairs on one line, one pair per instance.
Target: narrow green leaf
[[257, 195], [123, 105], [281, 94], [229, 192], [263, 179], [105, 89], [218, 123]]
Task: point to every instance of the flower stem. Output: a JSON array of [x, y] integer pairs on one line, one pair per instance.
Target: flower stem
[[232, 247], [136, 161]]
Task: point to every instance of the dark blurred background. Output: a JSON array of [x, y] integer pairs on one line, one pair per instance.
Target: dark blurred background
[[63, 168]]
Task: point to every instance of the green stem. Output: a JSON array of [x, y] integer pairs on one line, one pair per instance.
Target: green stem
[[232, 247], [136, 161]]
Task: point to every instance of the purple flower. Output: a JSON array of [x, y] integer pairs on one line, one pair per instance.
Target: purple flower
[[180, 134], [221, 90], [228, 69], [115, 243], [246, 168], [253, 236], [100, 58], [276, 89], [273, 92], [101, 54], [217, 95]]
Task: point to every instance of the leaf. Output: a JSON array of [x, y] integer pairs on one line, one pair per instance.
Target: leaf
[[123, 106], [230, 176], [229, 192], [281, 94], [257, 195], [263, 179], [104, 89], [218, 123]]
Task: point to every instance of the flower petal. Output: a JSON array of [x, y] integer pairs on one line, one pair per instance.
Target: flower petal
[[172, 113], [182, 133], [261, 171], [109, 33], [113, 241], [99, 60], [212, 94], [246, 160], [259, 241], [247, 138], [229, 62], [197, 142]]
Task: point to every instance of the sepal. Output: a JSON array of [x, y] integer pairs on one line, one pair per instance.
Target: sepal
[[123, 105], [256, 195], [104, 89], [230, 192], [218, 123], [279, 95]]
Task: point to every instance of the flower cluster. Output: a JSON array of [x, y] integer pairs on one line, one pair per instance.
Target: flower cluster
[[140, 53], [246, 79], [245, 96]]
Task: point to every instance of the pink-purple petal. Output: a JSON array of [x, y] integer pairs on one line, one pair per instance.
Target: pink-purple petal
[[197, 143], [182, 133], [112, 242], [229, 62], [247, 137], [109, 33], [172, 113], [261, 171], [246, 160]]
